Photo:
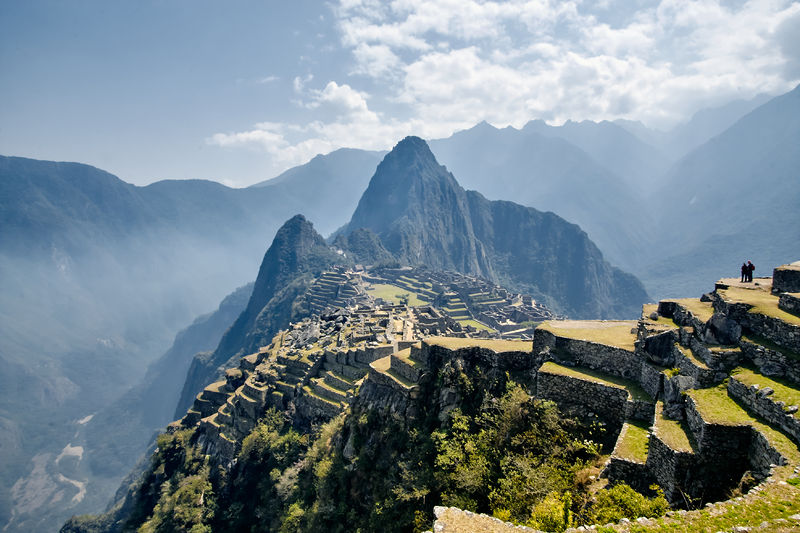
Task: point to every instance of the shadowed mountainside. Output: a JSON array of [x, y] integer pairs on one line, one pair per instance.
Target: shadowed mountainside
[[424, 217]]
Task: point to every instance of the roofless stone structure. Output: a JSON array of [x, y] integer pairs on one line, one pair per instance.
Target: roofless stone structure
[[693, 395]]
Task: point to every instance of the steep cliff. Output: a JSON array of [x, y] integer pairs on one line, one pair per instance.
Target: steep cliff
[[424, 217], [420, 212], [297, 254]]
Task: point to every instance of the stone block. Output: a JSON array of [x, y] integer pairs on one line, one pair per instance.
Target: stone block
[[786, 278]]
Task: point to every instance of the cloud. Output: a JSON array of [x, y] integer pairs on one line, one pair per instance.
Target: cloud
[[503, 60], [431, 67], [290, 144]]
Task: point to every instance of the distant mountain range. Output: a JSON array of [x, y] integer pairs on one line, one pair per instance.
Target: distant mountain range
[[734, 198], [98, 275], [424, 217], [414, 212]]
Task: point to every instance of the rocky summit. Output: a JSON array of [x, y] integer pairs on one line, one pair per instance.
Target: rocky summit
[[424, 217]]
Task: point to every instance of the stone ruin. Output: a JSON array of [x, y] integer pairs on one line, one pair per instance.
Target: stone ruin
[[694, 395]]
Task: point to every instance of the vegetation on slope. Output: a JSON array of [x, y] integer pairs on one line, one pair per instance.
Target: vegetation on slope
[[500, 452]]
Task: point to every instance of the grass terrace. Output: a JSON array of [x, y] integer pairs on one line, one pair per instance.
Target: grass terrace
[[673, 432], [756, 339], [691, 357], [635, 391], [661, 320], [496, 345], [609, 332], [383, 366], [763, 303], [702, 310], [784, 390], [633, 440], [217, 386], [394, 294], [475, 324], [716, 407]]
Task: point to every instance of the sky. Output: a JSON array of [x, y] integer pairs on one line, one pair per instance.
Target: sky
[[241, 90]]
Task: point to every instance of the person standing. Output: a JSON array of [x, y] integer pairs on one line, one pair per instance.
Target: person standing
[[750, 268], [745, 272]]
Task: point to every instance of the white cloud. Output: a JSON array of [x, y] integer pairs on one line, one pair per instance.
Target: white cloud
[[511, 57], [430, 67]]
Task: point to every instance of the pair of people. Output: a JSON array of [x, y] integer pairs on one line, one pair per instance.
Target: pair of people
[[747, 271]]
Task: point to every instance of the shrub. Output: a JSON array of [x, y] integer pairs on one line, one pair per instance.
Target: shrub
[[621, 501]]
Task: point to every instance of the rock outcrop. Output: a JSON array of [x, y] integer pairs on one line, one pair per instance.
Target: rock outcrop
[[424, 217], [296, 256]]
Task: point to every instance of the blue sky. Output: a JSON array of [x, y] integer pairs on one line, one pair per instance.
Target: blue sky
[[238, 91]]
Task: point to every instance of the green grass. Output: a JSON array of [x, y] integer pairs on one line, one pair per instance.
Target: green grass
[[672, 432], [716, 407], [691, 357], [383, 366], [475, 324], [763, 303], [497, 345], [755, 339], [648, 309], [635, 391], [776, 501], [784, 390], [632, 442], [609, 332], [702, 310], [393, 293], [405, 355]]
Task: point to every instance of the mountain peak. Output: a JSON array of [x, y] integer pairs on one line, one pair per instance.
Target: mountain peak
[[410, 148]]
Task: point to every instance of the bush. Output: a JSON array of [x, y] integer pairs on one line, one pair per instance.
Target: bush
[[621, 501]]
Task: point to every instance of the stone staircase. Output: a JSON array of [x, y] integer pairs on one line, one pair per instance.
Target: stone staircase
[[331, 290]]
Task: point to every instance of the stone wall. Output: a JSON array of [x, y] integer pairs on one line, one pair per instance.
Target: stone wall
[[775, 330], [609, 359], [652, 380], [406, 368], [771, 362], [786, 279], [763, 456], [729, 442], [659, 347], [790, 303], [758, 401], [382, 393], [670, 467], [703, 377], [433, 356], [631, 472], [582, 397]]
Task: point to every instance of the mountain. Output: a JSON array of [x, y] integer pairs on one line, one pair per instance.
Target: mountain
[[149, 406], [732, 199], [97, 277], [420, 212], [337, 179], [424, 217], [296, 256], [364, 246], [638, 163], [551, 174], [704, 125]]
